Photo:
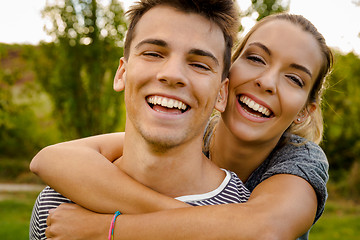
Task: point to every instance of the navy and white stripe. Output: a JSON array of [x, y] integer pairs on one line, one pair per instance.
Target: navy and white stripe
[[47, 199], [231, 190]]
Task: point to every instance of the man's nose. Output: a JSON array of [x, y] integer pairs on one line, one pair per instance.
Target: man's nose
[[173, 73]]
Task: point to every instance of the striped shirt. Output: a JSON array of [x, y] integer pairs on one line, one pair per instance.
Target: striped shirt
[[231, 190]]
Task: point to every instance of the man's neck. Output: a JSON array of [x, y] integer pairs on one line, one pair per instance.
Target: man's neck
[[177, 171], [241, 157]]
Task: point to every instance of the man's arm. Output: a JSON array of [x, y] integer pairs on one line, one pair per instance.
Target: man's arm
[[90, 179], [282, 207]]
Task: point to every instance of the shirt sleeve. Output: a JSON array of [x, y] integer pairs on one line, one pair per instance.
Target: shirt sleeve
[[47, 199], [34, 231], [306, 160]]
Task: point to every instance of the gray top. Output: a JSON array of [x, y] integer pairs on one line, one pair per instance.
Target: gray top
[[307, 161]]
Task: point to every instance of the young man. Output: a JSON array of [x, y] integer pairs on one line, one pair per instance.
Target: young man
[[172, 84]]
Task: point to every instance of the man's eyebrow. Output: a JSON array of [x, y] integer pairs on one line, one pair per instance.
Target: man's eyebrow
[[260, 45], [157, 42], [204, 53], [302, 68]]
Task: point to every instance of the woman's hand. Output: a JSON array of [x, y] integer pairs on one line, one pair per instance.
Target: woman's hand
[[70, 222]]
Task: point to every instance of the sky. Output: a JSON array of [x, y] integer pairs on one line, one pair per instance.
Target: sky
[[337, 20]]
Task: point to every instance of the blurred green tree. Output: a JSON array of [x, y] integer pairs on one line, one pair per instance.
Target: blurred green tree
[[77, 69], [22, 131], [342, 114], [268, 7], [263, 8]]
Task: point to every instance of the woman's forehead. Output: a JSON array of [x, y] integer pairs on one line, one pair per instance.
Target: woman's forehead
[[289, 41]]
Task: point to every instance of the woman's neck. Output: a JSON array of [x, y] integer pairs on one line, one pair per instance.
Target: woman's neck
[[237, 155]]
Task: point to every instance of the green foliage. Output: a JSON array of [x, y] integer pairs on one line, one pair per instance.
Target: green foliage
[[20, 128], [10, 169], [17, 129], [342, 113], [268, 7], [264, 8], [353, 181], [342, 118], [78, 68]]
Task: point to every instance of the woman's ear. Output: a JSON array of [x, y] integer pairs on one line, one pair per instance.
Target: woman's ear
[[120, 76], [305, 112], [221, 100]]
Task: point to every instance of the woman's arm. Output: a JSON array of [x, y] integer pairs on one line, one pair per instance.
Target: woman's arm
[[82, 171], [281, 207]]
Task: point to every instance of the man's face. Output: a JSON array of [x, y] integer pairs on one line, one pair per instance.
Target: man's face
[[172, 76]]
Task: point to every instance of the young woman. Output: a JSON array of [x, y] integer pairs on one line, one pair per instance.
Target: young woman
[[266, 135]]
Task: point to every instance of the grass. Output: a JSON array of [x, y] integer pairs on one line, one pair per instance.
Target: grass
[[15, 213], [341, 219]]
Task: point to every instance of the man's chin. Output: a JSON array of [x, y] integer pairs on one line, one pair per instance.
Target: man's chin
[[164, 144]]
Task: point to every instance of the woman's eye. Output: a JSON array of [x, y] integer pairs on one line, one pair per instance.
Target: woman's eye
[[255, 58], [298, 81]]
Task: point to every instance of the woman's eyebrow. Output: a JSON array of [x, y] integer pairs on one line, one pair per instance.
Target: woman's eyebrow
[[260, 45], [302, 68]]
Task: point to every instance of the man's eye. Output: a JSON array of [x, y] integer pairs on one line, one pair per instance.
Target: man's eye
[[201, 66], [152, 54]]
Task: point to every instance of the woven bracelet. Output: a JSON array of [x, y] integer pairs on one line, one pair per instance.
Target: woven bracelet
[[112, 225]]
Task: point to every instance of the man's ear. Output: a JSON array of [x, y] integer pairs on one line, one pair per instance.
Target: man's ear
[[304, 114], [120, 76], [221, 100]]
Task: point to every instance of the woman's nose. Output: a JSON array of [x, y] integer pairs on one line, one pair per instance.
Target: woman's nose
[[267, 82]]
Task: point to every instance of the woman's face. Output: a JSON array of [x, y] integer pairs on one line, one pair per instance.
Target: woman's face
[[270, 81]]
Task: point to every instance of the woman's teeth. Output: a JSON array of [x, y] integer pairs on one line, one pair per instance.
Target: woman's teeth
[[255, 106]]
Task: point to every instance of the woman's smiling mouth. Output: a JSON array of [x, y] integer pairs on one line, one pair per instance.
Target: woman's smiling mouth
[[253, 108]]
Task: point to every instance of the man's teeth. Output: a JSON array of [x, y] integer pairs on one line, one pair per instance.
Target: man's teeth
[[255, 106], [166, 102]]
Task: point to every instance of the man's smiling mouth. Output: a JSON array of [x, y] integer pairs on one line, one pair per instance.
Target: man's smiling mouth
[[166, 105], [253, 108]]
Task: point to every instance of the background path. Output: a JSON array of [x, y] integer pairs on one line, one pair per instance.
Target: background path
[[14, 187]]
